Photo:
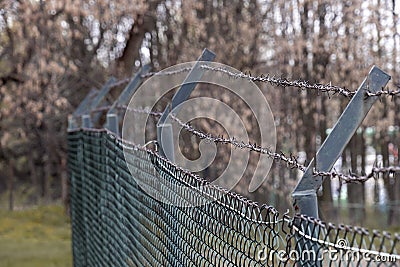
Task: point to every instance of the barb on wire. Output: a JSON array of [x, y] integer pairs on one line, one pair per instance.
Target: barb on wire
[[391, 93], [354, 178], [284, 82], [328, 89], [302, 84], [291, 161], [166, 73]]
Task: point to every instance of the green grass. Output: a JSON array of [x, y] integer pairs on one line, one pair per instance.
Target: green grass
[[35, 237]]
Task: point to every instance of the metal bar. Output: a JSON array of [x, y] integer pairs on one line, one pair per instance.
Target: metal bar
[[305, 194], [130, 89], [72, 124], [112, 120], [86, 122], [99, 99], [86, 102], [344, 129], [164, 130], [112, 123], [103, 92]]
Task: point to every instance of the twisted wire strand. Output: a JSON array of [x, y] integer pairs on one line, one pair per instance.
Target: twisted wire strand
[[303, 84], [320, 88], [120, 82], [391, 93], [166, 73], [291, 160], [284, 82], [354, 178]]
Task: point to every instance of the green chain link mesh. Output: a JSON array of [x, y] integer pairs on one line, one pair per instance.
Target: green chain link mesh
[[115, 223]]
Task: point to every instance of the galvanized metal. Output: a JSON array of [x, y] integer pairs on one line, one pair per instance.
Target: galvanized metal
[[80, 110], [130, 89], [305, 194], [112, 119], [98, 100], [115, 223], [112, 123], [86, 121], [102, 93], [164, 130], [188, 84], [340, 135], [84, 106]]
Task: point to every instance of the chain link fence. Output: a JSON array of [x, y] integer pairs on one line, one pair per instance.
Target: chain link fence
[[115, 223]]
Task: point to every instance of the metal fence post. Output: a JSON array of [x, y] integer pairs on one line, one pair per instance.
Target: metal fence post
[[112, 120], [164, 130], [86, 122], [98, 99], [305, 194], [80, 110]]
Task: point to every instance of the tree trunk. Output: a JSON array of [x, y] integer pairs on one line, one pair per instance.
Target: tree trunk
[[11, 180], [396, 186], [386, 179], [355, 192], [326, 199], [144, 23], [65, 186], [34, 177]]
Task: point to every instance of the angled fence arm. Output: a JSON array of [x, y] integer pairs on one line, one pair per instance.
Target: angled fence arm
[[336, 141], [112, 120], [305, 194], [86, 102], [97, 101], [83, 106], [164, 130]]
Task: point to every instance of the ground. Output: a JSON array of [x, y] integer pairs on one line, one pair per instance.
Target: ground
[[38, 236]]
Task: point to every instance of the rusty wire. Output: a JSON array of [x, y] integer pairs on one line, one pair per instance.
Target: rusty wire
[[320, 88], [284, 82], [291, 161]]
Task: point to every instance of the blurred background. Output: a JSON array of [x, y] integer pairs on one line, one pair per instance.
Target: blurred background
[[53, 52]]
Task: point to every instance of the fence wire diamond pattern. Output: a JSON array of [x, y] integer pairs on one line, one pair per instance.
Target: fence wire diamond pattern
[[115, 223]]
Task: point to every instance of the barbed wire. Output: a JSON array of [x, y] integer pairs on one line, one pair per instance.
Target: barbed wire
[[120, 82], [291, 161], [391, 93], [354, 178], [302, 84], [149, 74], [284, 82], [166, 73], [320, 88]]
